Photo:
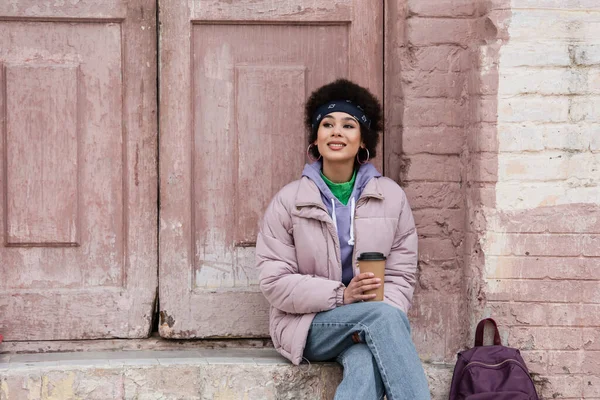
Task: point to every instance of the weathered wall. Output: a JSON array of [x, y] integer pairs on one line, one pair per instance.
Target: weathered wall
[[481, 150], [534, 251], [500, 128], [493, 112], [428, 109], [445, 92]]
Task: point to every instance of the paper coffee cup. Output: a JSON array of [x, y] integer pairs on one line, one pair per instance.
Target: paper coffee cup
[[374, 263]]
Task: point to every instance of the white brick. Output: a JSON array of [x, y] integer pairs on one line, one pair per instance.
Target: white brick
[[575, 169], [548, 115], [521, 196], [558, 4], [519, 137], [584, 108], [549, 81], [532, 137], [538, 81], [593, 81], [586, 54], [532, 25], [517, 195], [585, 192], [595, 139], [570, 137], [533, 109], [534, 54], [532, 167]]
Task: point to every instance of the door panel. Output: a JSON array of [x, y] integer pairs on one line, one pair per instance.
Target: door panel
[[78, 182], [267, 11], [234, 78]]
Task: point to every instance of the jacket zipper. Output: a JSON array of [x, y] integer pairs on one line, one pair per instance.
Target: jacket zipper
[[336, 242], [331, 230], [336, 239], [354, 262]]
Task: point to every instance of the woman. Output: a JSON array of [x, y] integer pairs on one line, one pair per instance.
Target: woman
[[308, 242]]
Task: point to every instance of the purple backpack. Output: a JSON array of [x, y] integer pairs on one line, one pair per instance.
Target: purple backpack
[[491, 372]]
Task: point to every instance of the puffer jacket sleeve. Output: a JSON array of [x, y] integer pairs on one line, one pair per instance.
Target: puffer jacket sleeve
[[401, 266], [280, 282]]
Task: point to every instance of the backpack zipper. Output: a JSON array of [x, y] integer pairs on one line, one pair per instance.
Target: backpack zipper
[[510, 360], [492, 365]]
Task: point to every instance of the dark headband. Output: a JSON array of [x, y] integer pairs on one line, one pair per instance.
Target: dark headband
[[340, 106]]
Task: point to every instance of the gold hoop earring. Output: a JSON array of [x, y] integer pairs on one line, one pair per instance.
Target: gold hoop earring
[[310, 156], [365, 161]]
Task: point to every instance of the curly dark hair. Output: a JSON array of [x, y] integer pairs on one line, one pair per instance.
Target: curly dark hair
[[343, 89]]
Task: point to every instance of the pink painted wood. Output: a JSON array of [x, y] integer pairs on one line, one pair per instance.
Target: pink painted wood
[[232, 135], [78, 169]]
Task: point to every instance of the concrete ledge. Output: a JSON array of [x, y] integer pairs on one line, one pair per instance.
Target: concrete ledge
[[191, 374]]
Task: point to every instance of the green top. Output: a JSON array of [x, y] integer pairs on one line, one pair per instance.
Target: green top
[[341, 191]]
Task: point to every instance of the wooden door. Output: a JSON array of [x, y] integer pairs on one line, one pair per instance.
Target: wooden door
[[78, 169], [234, 76]]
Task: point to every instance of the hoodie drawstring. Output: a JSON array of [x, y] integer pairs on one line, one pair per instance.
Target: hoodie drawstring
[[333, 217], [352, 208]]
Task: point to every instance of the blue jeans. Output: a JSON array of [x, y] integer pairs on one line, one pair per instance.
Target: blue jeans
[[371, 340]]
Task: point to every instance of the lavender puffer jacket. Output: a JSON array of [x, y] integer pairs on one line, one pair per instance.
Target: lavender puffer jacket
[[298, 255]]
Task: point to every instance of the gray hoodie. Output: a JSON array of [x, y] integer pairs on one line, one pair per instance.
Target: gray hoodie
[[342, 215]]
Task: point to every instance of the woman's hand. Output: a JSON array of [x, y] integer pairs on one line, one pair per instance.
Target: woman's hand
[[360, 284]]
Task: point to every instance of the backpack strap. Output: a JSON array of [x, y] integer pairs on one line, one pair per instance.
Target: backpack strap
[[480, 329]]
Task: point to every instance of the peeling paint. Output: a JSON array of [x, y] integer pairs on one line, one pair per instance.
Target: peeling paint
[[59, 389], [4, 390], [34, 387], [166, 319]]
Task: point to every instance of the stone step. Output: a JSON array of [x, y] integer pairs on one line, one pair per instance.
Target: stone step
[[191, 374]]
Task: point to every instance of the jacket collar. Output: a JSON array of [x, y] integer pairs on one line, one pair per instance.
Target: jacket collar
[[309, 196], [373, 190]]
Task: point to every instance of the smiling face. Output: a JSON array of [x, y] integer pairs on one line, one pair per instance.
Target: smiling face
[[338, 138]]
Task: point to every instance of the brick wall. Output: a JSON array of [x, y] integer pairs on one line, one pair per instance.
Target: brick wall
[[429, 110], [442, 94], [499, 155], [533, 257], [497, 108]]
